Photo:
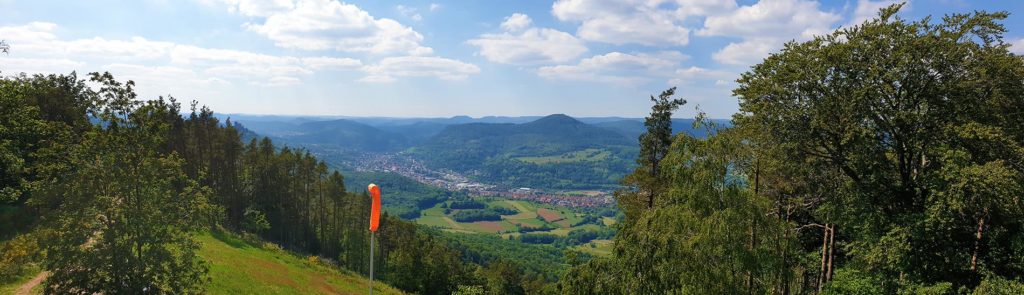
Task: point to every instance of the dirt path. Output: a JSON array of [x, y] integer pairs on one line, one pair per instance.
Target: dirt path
[[26, 288]]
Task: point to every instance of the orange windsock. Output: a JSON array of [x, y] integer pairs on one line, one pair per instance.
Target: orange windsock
[[374, 207]]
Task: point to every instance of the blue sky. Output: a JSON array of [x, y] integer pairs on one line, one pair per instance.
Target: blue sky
[[432, 58]]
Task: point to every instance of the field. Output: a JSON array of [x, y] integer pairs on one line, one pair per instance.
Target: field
[[587, 155], [240, 267], [533, 215]]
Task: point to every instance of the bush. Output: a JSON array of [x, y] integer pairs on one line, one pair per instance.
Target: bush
[[467, 204]]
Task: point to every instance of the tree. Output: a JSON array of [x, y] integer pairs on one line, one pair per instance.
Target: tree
[[900, 136], [128, 213], [646, 180]]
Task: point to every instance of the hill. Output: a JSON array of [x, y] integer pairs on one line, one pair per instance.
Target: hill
[[508, 153], [238, 266], [241, 267], [344, 134]]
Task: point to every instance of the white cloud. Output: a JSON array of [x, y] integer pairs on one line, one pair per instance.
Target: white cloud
[[37, 49], [783, 19], [332, 25], [867, 9], [409, 12], [523, 45], [418, 66], [516, 22], [748, 52], [167, 76], [646, 22], [187, 54], [12, 65], [693, 74], [617, 67], [435, 6], [765, 26], [1017, 46], [38, 39], [259, 7], [318, 63], [153, 81], [278, 81]]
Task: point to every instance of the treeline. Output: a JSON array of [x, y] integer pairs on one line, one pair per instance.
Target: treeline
[[573, 238], [90, 175], [883, 158], [476, 215]]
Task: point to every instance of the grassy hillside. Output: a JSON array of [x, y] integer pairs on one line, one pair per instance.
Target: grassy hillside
[[240, 267]]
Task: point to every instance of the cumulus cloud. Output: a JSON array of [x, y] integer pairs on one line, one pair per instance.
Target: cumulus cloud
[[765, 26], [646, 22], [333, 25], [435, 7], [37, 49], [617, 67], [418, 66], [516, 22], [783, 19], [524, 45], [748, 52]]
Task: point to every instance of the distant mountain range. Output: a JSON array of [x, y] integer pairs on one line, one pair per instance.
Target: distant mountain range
[[555, 151]]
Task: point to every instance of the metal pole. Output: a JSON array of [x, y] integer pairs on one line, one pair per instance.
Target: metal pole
[[371, 263]]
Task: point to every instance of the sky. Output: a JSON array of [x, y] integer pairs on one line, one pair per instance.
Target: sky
[[434, 58]]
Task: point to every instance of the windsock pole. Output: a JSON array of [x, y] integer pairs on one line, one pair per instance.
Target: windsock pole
[[371, 263], [374, 223]]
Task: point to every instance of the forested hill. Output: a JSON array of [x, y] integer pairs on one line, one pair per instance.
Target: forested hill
[[346, 133], [556, 151], [551, 134]]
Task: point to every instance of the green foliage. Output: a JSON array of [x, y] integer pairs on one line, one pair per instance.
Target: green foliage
[[541, 260], [853, 282], [18, 255], [899, 134], [254, 221], [404, 197], [999, 286], [127, 212], [466, 204]]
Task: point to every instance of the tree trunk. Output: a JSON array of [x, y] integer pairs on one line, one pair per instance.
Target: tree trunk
[[824, 252], [831, 249], [977, 242]]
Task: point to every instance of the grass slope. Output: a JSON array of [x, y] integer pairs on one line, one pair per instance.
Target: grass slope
[[238, 266], [241, 267]]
